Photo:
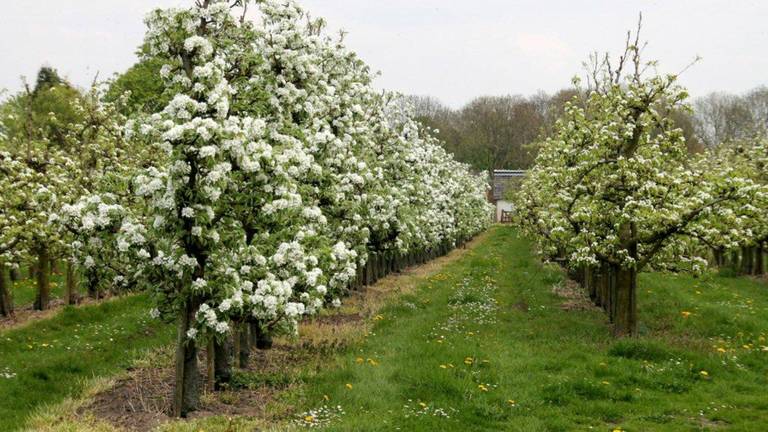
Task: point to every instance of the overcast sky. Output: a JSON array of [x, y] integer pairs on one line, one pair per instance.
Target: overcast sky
[[452, 49]]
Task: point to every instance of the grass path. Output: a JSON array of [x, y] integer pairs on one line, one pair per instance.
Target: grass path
[[486, 346], [49, 360]]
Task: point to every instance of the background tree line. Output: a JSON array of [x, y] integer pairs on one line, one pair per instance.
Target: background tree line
[[502, 132]]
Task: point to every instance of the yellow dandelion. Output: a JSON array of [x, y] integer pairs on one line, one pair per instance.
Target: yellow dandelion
[[348, 386], [685, 314], [443, 367], [326, 397], [721, 349], [359, 360], [704, 373]]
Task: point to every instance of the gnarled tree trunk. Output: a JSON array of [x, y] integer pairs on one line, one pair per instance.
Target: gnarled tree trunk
[[625, 319], [6, 301], [187, 383]]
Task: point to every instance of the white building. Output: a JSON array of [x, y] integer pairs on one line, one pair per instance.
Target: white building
[[503, 181]]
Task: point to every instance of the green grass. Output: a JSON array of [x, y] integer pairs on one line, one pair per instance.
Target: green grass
[[528, 365], [52, 359]]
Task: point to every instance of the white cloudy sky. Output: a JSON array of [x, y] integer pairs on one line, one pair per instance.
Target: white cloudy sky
[[452, 49]]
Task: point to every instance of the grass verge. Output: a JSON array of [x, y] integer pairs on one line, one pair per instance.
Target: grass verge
[[50, 360]]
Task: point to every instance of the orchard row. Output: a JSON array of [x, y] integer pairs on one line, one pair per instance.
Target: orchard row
[[254, 197], [615, 190]]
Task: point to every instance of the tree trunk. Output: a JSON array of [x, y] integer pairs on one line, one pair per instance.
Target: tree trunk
[[601, 286], [15, 274], [92, 284], [70, 293], [43, 281], [718, 257], [589, 282], [734, 260], [33, 270], [260, 338], [624, 301], [625, 322], [236, 348], [210, 369], [222, 364], [747, 260], [6, 301], [245, 346], [186, 393], [759, 269], [613, 287]]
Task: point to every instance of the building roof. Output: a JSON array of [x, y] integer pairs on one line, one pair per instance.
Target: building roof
[[508, 173], [501, 179]]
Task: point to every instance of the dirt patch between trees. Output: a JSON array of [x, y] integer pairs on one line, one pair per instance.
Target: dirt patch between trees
[[140, 401], [573, 295]]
